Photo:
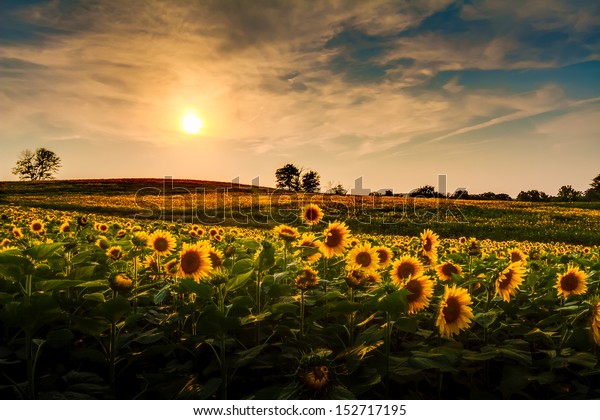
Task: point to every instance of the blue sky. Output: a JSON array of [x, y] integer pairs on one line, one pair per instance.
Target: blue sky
[[500, 96]]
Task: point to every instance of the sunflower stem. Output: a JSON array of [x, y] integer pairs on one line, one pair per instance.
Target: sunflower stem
[[388, 336], [135, 285], [223, 359], [301, 314], [351, 319], [258, 281]]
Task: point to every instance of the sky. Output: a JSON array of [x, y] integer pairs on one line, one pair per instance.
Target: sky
[[499, 96]]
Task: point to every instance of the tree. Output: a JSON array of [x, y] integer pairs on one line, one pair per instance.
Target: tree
[[37, 166], [311, 182], [532, 195], [425, 191], [288, 177], [568, 193], [338, 190], [593, 193]]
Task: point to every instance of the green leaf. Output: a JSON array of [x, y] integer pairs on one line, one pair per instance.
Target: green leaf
[[248, 356], [14, 267], [242, 267], [202, 290], [93, 284], [113, 310], [406, 324], [209, 388], [43, 251], [163, 293], [517, 350], [90, 326], [82, 257], [41, 310], [266, 257], [485, 319], [395, 303], [83, 272], [95, 297], [284, 308], [239, 281], [51, 285]]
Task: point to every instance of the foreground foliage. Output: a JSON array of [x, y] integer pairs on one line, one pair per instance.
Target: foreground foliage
[[95, 307]]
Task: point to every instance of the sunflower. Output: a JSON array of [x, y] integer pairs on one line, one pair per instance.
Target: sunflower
[[171, 267], [286, 233], [37, 226], [421, 291], [102, 227], [355, 277], [596, 322], [17, 233], [517, 256], [4, 243], [384, 254], [216, 257], [572, 282], [429, 243], [404, 268], [372, 277], [161, 242], [307, 279], [140, 238], [308, 241], [462, 240], [334, 239], [213, 232], [194, 261], [445, 270], [120, 282], [82, 221], [316, 377], [114, 253], [151, 263], [65, 228], [311, 214], [103, 243], [364, 256], [454, 313], [474, 248], [509, 281]]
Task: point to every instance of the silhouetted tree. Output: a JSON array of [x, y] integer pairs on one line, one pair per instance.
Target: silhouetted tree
[[311, 182], [37, 166], [425, 191], [288, 177], [532, 195], [568, 193], [338, 190], [593, 193]]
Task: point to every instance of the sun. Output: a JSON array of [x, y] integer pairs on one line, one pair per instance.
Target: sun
[[191, 123]]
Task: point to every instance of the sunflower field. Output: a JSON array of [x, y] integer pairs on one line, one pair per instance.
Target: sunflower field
[[105, 307]]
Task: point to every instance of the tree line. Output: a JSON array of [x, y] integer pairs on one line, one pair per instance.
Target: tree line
[[43, 164]]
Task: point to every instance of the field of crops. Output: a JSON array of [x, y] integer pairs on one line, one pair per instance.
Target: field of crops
[[96, 306], [225, 204]]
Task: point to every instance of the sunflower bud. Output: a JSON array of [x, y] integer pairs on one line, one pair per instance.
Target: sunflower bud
[[120, 282]]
